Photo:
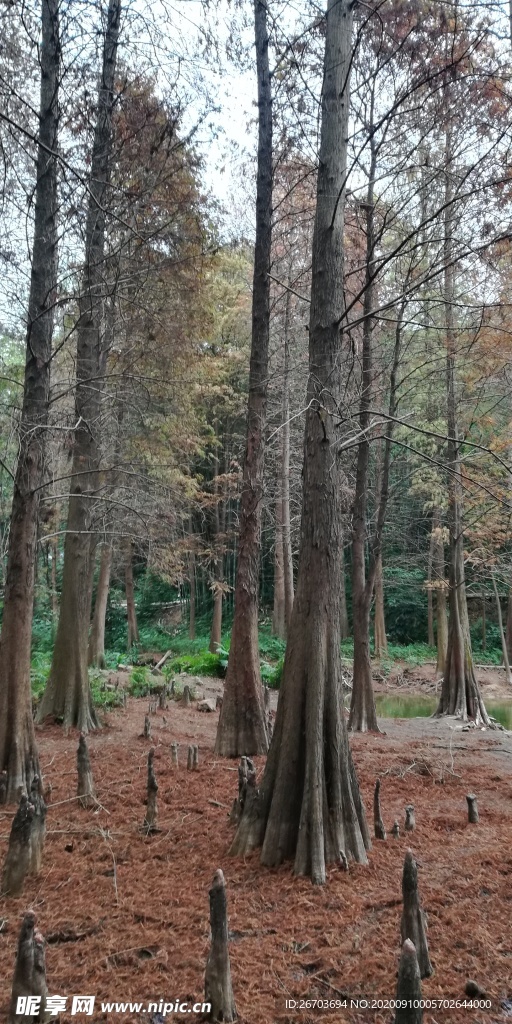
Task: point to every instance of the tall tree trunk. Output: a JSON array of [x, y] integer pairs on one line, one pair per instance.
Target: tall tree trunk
[[363, 715], [131, 613], [379, 625], [430, 597], [216, 631], [460, 692], [54, 551], [242, 726], [345, 632], [309, 806], [18, 751], [509, 624], [438, 569], [192, 601], [67, 694], [285, 470], [278, 614], [97, 637], [506, 662]]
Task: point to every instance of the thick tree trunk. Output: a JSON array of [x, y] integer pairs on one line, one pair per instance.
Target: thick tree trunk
[[97, 637], [509, 625], [242, 726], [54, 548], [18, 751], [309, 807], [460, 692], [67, 694], [379, 624], [131, 613]]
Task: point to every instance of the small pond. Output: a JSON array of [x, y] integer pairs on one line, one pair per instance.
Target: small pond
[[411, 706]]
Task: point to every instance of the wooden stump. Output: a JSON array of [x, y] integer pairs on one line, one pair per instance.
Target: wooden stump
[[162, 700], [18, 859], [187, 696], [248, 833], [195, 758], [413, 919], [409, 987], [472, 809], [190, 758], [151, 817], [174, 754], [270, 725], [85, 789], [395, 831], [147, 728], [266, 697], [29, 974], [378, 824], [217, 982], [410, 820]]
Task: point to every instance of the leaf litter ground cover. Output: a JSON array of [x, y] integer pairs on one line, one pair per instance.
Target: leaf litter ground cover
[[126, 915]]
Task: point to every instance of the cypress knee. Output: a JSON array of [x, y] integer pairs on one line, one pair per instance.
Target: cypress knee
[[18, 859], [413, 918], [472, 809], [217, 984], [29, 974], [85, 789], [410, 820], [409, 987], [151, 817], [38, 831], [378, 824]]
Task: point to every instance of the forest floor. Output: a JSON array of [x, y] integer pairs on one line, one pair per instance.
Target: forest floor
[[125, 915]]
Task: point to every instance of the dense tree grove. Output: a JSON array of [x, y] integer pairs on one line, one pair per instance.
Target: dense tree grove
[[303, 418]]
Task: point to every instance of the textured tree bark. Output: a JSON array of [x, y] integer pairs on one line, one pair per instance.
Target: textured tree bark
[[133, 629], [408, 989], [18, 751], [379, 626], [29, 973], [85, 786], [54, 548], [67, 695], [217, 982], [285, 473], [460, 692], [97, 637], [38, 833], [309, 807], [242, 726], [413, 919]]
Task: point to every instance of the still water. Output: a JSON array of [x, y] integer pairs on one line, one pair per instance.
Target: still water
[[422, 707]]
